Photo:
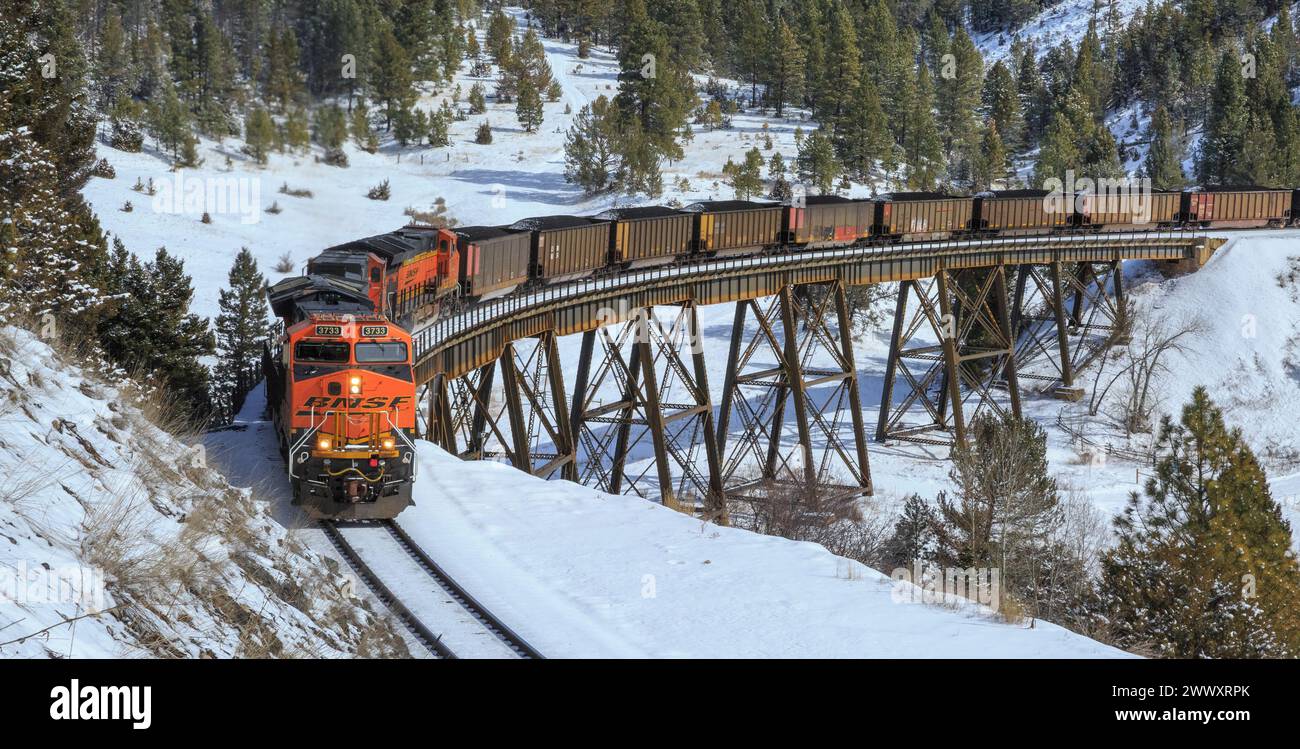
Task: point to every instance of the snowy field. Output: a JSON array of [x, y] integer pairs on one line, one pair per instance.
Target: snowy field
[[582, 574]]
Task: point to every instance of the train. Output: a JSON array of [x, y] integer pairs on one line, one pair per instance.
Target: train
[[339, 367]]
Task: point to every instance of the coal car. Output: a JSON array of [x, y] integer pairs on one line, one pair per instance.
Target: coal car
[[724, 227], [648, 235]]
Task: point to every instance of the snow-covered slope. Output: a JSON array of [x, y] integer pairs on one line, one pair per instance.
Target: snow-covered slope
[[1066, 21], [517, 176], [116, 539], [584, 574]]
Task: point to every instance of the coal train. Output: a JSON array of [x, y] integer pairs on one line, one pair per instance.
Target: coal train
[[339, 368]]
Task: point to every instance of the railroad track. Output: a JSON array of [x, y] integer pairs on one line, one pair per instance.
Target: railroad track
[[493, 638]]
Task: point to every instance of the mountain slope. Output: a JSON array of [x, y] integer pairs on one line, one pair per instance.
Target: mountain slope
[[117, 540]]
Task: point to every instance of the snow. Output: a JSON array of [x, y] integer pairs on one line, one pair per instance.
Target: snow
[[428, 601], [156, 553], [582, 574], [569, 567], [1066, 21], [517, 176]]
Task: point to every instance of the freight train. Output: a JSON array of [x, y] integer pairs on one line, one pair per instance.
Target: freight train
[[339, 369]]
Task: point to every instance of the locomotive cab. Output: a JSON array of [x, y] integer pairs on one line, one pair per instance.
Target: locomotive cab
[[346, 415]]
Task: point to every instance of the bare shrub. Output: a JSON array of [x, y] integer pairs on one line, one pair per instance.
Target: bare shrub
[[436, 216], [284, 264], [380, 191], [294, 192], [800, 512], [1140, 365]]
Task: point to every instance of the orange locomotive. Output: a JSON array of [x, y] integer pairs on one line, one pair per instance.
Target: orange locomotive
[[340, 385]]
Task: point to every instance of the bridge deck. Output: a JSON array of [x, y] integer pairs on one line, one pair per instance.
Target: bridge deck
[[475, 337]]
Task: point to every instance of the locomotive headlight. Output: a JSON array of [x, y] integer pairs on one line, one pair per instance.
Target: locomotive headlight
[[388, 443], [323, 443], [354, 386]]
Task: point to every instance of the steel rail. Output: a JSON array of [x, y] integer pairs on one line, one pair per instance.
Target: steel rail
[[385, 594], [480, 612]]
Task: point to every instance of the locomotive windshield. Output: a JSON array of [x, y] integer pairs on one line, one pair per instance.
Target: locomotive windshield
[[381, 352], [321, 351]]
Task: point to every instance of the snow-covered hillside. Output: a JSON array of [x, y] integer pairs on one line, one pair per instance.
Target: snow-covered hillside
[[1065, 21], [517, 176], [117, 540]]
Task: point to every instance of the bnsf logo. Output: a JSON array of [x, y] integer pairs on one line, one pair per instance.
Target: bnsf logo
[[374, 401]]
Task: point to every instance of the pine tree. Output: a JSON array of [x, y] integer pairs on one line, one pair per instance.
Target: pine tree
[[1032, 90], [283, 81], [530, 62], [54, 109], [888, 54], [241, 328], [297, 130], [788, 69], [359, 126], [329, 124], [658, 99], [687, 41], [48, 266], [1091, 78], [113, 79], [154, 336], [1203, 567], [746, 178], [1001, 105], [1164, 162], [812, 33], [499, 31], [438, 134], [958, 97], [990, 166], [590, 159], [913, 539], [776, 166], [477, 102], [816, 163], [169, 121], [1283, 35], [750, 29], [472, 48], [259, 134], [861, 135], [844, 66], [213, 81], [529, 107], [1258, 162], [392, 81], [922, 144], [1218, 162], [1076, 141], [1005, 507], [638, 170]]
